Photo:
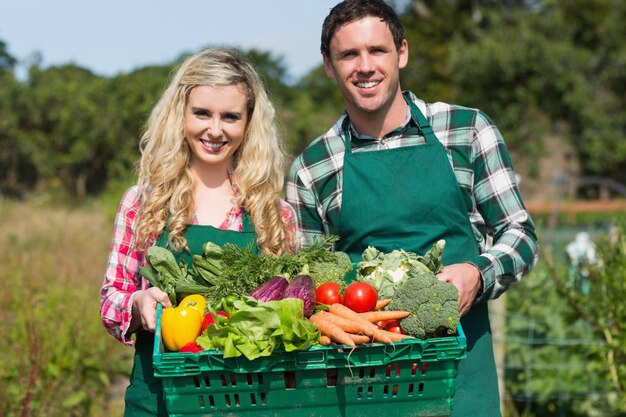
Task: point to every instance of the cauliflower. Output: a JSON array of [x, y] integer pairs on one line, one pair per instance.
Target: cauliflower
[[433, 305], [386, 271]]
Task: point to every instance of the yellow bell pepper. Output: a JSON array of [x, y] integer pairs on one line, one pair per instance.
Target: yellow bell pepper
[[199, 302], [180, 325]]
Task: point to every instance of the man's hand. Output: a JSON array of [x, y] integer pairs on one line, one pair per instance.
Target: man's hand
[[466, 278], [144, 308]]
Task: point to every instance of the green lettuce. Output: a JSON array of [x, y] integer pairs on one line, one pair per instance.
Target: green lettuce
[[257, 328]]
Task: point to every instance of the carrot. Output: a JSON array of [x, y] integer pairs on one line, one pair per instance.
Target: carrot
[[384, 336], [374, 316], [381, 337], [343, 311], [331, 330], [325, 340], [359, 339], [347, 325], [381, 303]]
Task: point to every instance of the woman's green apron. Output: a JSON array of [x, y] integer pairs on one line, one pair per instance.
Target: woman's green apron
[[408, 198], [144, 395]]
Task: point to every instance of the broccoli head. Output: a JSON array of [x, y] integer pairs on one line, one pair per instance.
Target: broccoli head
[[334, 271], [433, 305]]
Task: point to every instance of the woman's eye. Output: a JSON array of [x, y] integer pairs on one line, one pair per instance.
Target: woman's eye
[[201, 113], [231, 117]]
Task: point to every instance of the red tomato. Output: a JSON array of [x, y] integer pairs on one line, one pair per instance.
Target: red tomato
[[394, 327], [382, 324], [328, 293], [208, 320], [360, 297], [191, 347]]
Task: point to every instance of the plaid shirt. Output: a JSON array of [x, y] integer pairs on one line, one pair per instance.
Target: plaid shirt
[[122, 278], [483, 170]]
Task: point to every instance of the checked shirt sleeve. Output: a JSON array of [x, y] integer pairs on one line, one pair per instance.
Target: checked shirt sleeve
[[301, 196], [122, 277], [500, 212]]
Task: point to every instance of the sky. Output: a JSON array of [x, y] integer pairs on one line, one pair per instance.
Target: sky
[[117, 36]]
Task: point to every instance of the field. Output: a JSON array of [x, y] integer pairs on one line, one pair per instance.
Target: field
[[56, 359]]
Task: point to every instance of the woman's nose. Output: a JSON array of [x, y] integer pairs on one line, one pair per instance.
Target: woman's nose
[[215, 127]]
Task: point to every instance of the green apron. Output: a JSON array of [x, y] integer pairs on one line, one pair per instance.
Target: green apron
[[144, 395], [408, 198]]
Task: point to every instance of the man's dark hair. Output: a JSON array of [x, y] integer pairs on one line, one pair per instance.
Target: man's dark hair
[[350, 10]]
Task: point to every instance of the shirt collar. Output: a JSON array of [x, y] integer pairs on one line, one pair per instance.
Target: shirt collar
[[409, 122]]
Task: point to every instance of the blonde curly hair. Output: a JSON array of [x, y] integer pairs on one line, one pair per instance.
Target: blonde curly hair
[[165, 180]]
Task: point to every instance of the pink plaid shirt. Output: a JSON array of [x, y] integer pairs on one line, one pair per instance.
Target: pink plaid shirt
[[122, 277]]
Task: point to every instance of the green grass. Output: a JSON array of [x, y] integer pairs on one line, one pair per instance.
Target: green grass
[[56, 359]]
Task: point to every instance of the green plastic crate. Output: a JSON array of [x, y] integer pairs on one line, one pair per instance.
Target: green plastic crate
[[410, 378]]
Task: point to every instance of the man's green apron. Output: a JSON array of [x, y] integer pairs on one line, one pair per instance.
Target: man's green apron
[[408, 198], [144, 395]]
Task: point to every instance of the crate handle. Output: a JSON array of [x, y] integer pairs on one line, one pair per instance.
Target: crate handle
[[314, 356]]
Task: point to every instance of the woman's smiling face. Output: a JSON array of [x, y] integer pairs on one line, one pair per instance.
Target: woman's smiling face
[[215, 124]]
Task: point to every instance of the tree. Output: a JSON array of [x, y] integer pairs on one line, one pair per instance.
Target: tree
[[315, 106], [129, 100], [16, 171], [62, 113]]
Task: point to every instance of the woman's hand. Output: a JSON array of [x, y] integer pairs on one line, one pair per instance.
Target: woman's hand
[[144, 308]]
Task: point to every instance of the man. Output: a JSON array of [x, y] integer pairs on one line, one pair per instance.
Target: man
[[396, 172]]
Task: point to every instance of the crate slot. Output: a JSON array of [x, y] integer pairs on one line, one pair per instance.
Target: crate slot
[[289, 378], [393, 370], [331, 377], [201, 401]]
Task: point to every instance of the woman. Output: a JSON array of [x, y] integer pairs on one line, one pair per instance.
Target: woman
[[211, 169]]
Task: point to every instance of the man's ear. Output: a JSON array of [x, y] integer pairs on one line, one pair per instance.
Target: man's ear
[[328, 67], [403, 54]]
